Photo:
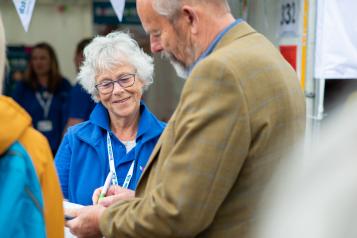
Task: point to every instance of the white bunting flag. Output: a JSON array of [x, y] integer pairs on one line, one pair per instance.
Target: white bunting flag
[[118, 6], [24, 8]]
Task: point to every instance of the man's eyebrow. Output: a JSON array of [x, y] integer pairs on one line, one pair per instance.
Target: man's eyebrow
[[155, 32], [150, 31], [145, 30]]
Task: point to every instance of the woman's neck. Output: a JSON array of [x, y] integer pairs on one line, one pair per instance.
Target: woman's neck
[[43, 80], [125, 129]]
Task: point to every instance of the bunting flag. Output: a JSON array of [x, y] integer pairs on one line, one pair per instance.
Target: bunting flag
[[24, 8], [118, 6]]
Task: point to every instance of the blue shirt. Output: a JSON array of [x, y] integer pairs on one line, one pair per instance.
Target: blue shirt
[[80, 104], [215, 42], [26, 97], [82, 159]]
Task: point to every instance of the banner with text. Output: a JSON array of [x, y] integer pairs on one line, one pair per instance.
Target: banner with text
[[289, 18]]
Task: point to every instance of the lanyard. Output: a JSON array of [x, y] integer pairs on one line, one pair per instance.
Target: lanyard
[[112, 166], [45, 105]]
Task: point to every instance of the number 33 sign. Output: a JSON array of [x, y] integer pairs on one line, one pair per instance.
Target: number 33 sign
[[289, 17]]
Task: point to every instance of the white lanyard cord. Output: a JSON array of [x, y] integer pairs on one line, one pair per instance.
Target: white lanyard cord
[[112, 166], [45, 105], [129, 175]]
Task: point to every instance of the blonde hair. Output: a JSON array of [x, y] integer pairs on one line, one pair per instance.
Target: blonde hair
[[2, 53]]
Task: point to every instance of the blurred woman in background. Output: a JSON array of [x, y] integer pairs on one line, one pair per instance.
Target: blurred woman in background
[[43, 93]]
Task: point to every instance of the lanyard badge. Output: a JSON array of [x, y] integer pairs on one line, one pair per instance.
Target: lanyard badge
[[45, 101], [112, 165]]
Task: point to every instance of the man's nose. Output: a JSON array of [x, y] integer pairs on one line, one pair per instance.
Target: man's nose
[[155, 45]]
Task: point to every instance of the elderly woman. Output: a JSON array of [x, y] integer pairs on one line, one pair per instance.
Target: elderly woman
[[121, 132]]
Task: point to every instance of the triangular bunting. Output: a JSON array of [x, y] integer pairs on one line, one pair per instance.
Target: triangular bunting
[[118, 6], [25, 8]]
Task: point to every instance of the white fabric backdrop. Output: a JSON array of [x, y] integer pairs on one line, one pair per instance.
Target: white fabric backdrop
[[336, 39]]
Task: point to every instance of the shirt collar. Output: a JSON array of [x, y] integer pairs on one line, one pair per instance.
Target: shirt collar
[[215, 42], [100, 117], [147, 124]]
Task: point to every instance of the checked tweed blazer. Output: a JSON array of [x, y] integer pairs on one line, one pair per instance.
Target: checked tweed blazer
[[240, 112]]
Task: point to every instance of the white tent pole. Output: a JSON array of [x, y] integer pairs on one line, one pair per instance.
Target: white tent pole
[[313, 88]]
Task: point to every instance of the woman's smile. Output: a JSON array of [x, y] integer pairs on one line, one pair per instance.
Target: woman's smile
[[121, 100]]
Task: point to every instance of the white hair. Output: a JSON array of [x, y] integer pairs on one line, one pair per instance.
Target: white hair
[[170, 8], [106, 53], [167, 8], [2, 53]]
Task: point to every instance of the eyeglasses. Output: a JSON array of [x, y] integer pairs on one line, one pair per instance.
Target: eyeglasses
[[125, 81]]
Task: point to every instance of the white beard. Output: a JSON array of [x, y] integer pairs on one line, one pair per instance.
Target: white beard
[[181, 71]]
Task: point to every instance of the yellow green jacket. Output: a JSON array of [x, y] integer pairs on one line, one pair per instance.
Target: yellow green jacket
[[15, 125]]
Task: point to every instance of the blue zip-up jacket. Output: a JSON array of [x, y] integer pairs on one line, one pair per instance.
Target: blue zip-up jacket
[[26, 97], [82, 158]]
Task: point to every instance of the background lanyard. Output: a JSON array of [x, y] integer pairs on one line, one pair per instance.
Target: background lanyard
[[46, 105], [112, 166]]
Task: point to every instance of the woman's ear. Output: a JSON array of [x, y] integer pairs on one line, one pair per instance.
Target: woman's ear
[[96, 97]]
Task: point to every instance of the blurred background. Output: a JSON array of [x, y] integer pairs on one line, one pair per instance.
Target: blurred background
[[314, 192], [304, 31]]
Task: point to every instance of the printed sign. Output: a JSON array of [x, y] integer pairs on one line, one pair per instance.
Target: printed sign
[[24, 9], [289, 17]]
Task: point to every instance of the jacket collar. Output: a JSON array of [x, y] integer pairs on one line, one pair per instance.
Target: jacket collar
[[149, 125], [215, 41], [238, 31], [100, 117]]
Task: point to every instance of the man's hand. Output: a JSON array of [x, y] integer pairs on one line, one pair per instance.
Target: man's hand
[[114, 194], [86, 221]]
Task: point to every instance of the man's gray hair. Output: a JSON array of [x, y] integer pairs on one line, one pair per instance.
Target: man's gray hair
[[170, 8], [2, 53], [167, 8], [107, 53]]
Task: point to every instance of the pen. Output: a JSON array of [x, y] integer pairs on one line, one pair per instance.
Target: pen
[[106, 186], [68, 217]]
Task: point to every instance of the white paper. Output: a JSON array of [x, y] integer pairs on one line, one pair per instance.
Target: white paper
[[68, 234], [67, 206], [336, 40], [24, 9], [118, 6]]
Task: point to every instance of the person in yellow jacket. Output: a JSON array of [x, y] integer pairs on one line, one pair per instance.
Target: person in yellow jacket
[[15, 125]]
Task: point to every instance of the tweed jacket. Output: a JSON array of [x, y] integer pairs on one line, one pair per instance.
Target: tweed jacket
[[240, 111]]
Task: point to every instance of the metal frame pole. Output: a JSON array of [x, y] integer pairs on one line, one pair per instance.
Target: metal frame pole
[[314, 88]]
